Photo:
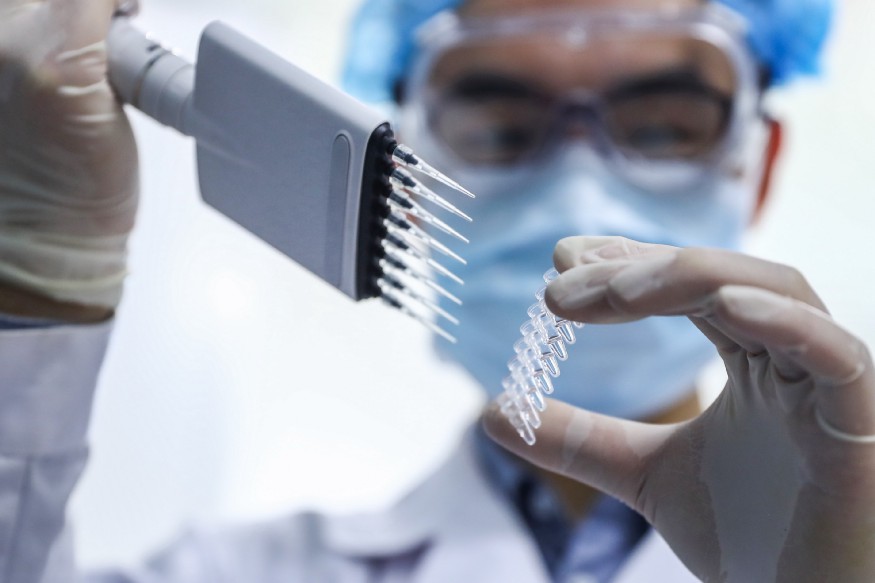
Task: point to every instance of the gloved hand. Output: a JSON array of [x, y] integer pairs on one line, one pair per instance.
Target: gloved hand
[[776, 480], [68, 161]]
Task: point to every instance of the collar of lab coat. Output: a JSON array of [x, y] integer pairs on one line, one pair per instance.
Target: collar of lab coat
[[472, 533], [456, 513]]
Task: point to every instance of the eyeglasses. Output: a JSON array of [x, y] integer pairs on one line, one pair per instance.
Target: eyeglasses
[[645, 88], [489, 119]]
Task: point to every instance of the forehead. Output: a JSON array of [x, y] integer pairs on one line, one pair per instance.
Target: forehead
[[486, 8], [549, 59]]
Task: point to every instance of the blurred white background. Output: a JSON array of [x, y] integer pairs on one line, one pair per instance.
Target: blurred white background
[[239, 387]]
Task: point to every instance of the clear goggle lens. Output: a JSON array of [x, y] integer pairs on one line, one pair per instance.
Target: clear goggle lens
[[643, 94]]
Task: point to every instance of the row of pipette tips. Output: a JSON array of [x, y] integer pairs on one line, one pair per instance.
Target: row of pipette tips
[[406, 259], [544, 344]]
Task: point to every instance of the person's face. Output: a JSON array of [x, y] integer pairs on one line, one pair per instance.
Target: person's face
[[493, 94]]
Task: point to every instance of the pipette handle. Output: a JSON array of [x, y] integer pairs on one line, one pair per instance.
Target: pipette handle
[[149, 76]]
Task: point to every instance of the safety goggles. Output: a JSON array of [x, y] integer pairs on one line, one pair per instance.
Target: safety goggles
[[649, 90]]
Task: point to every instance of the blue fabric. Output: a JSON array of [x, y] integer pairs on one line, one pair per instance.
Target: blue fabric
[[10, 322], [631, 370], [600, 545], [596, 547], [786, 35]]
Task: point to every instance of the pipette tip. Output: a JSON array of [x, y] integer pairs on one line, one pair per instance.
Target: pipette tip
[[410, 231], [405, 156], [406, 206], [419, 318], [404, 181]]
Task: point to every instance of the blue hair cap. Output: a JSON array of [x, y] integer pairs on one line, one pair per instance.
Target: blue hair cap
[[786, 35], [381, 44]]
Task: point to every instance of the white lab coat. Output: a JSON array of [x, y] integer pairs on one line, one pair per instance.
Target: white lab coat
[[452, 528]]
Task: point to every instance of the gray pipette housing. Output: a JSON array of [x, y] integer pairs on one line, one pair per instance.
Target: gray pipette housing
[[278, 151]]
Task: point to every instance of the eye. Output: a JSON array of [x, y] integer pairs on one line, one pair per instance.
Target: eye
[[656, 137], [488, 134], [487, 86], [670, 116], [486, 118]]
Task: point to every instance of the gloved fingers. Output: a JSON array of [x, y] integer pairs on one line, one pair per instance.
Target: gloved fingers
[[723, 340], [10, 7], [574, 251], [788, 370], [84, 22], [58, 26], [604, 452], [57, 56], [22, 22], [665, 281], [585, 285], [81, 47], [795, 332], [127, 7]]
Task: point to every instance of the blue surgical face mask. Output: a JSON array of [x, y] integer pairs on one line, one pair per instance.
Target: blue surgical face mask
[[630, 370]]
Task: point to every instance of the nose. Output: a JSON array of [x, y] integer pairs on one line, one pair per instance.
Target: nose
[[577, 120], [576, 129]]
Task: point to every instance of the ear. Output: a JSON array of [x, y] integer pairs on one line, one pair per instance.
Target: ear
[[774, 143]]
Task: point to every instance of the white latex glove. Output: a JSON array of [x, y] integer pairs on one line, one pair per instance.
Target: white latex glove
[[776, 480], [68, 162]]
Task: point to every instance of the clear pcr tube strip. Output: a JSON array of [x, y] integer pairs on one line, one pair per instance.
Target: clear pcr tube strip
[[544, 344]]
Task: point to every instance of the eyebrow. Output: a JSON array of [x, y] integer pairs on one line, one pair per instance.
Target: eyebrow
[[673, 78], [485, 83]]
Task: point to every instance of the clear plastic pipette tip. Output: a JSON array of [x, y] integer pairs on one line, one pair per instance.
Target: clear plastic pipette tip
[[405, 262], [405, 156], [422, 214], [393, 265], [402, 179], [424, 321], [392, 287], [417, 210], [393, 249], [412, 231], [436, 266], [428, 304]]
